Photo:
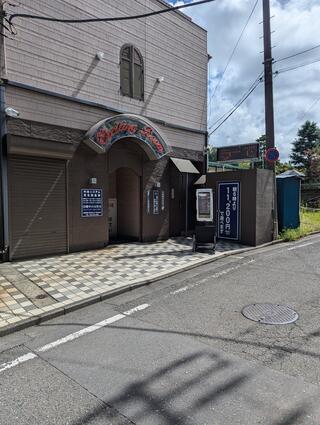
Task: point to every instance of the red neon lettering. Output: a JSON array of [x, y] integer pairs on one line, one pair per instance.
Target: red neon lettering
[[132, 128], [101, 136], [105, 135]]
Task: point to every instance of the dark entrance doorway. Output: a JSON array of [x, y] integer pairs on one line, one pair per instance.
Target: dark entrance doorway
[[125, 206]]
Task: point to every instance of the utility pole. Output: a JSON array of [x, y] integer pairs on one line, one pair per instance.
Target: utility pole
[[269, 114]]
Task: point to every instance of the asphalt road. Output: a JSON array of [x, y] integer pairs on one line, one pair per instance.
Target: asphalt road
[[178, 352]]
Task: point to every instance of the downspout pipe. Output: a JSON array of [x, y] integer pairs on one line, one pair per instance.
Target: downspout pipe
[[4, 175], [205, 157]]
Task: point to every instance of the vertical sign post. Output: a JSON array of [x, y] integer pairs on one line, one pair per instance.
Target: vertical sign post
[[229, 210], [156, 202]]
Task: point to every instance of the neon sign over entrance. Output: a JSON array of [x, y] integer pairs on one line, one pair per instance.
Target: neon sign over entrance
[[104, 134]]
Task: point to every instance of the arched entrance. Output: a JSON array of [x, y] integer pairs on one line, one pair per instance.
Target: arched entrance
[[125, 164], [137, 203]]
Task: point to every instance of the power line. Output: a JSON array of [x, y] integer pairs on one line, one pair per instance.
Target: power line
[[119, 18], [298, 53], [233, 52], [237, 106], [282, 70], [257, 80]]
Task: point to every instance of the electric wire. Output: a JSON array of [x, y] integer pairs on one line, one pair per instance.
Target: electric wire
[[118, 18], [237, 105], [257, 80], [232, 54], [282, 70], [298, 53]]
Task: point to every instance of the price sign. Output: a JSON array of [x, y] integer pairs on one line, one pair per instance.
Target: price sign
[[229, 210]]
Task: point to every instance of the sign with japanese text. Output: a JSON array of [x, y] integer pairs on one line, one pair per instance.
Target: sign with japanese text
[[229, 210], [155, 202], [238, 152], [104, 134], [91, 203], [148, 202]]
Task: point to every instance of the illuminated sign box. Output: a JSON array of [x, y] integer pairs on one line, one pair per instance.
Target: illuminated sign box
[[204, 205]]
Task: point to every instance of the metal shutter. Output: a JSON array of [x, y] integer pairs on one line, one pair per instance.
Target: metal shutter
[[37, 206]]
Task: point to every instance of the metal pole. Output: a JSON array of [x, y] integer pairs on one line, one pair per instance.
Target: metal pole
[[206, 155], [187, 200], [4, 176], [269, 113]]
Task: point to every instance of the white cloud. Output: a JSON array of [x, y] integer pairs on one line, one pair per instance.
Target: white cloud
[[296, 26]]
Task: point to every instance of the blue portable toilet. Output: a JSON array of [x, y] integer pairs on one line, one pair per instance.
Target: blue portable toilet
[[288, 196]]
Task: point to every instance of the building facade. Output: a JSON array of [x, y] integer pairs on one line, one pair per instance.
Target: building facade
[[111, 128]]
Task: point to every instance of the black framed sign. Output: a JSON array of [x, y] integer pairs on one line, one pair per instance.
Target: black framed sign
[[238, 152], [229, 210], [91, 203]]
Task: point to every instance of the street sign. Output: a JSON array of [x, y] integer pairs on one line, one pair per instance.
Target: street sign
[[272, 155], [229, 210], [245, 152]]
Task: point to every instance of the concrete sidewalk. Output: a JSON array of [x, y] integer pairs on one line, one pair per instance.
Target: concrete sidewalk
[[36, 290]]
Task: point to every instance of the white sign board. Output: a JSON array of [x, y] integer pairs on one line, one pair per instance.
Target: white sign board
[[204, 205]]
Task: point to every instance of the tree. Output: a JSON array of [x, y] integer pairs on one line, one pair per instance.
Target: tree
[[308, 139], [212, 154], [314, 158], [281, 167]]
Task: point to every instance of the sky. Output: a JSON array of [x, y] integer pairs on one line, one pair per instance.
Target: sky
[[295, 26]]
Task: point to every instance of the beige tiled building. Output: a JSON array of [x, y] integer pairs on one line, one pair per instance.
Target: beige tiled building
[[102, 109]]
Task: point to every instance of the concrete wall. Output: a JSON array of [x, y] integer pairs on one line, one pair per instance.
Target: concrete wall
[[256, 202], [264, 206]]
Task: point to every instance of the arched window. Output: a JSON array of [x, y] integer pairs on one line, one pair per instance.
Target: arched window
[[131, 72]]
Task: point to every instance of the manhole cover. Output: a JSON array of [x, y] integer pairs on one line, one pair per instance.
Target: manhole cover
[[270, 314]]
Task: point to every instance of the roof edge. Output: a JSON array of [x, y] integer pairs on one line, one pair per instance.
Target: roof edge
[[183, 15]]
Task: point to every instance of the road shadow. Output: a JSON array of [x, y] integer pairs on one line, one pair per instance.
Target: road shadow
[[151, 397], [282, 350]]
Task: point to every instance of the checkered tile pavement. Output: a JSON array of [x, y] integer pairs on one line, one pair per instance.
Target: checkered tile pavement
[[75, 277]]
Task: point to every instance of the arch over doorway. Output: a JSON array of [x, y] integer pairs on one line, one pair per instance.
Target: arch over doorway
[[124, 126]]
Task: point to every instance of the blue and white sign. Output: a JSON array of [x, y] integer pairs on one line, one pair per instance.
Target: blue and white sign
[[156, 206], [229, 210], [91, 203]]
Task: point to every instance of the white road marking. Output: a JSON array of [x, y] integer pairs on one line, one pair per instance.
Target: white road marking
[[185, 288], [16, 362], [300, 246], [213, 276], [71, 337], [82, 332], [136, 309]]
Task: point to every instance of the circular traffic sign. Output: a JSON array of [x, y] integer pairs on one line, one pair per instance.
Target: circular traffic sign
[[272, 155]]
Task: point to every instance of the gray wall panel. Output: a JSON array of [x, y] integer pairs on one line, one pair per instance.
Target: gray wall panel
[[60, 57]]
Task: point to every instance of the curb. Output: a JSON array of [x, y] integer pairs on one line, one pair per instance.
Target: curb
[[60, 311]]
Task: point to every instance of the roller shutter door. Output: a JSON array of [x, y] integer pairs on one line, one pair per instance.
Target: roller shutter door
[[37, 206]]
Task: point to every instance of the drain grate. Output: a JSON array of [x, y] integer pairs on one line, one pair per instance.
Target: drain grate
[[270, 314], [41, 296]]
